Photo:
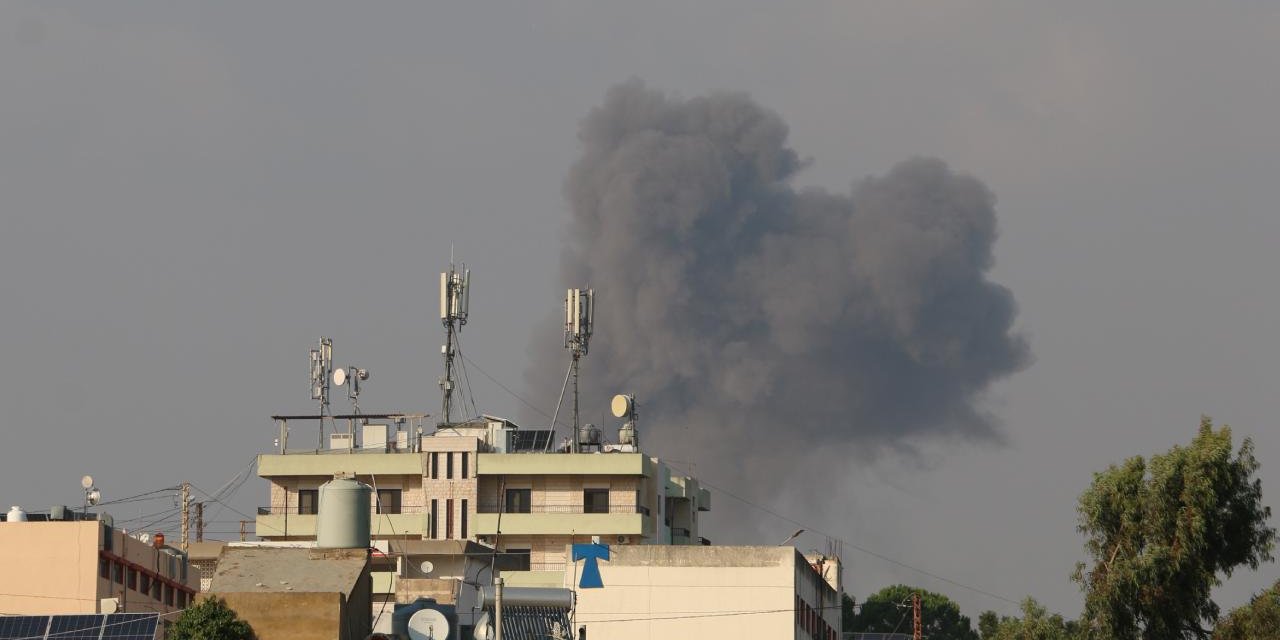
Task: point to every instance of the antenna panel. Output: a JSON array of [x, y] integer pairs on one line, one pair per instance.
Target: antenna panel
[[444, 296]]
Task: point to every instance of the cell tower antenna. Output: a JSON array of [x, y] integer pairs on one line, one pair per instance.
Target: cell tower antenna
[[579, 321], [321, 370], [455, 298]]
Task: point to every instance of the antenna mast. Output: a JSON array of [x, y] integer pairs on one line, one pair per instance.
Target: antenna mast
[[455, 296], [321, 369], [579, 319]]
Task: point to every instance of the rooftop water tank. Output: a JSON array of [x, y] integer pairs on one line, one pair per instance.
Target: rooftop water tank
[[588, 434], [16, 514], [343, 519]]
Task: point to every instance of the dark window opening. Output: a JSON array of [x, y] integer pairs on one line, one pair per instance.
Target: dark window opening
[[389, 500], [448, 462], [435, 465], [595, 501], [464, 467], [448, 518], [133, 578], [519, 500], [308, 502], [435, 520], [514, 560], [462, 531], [104, 568]]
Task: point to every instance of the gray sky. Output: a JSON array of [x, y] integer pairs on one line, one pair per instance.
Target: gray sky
[[193, 193]]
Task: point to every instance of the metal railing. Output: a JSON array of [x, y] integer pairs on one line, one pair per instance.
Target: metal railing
[[679, 532], [280, 510], [563, 508]]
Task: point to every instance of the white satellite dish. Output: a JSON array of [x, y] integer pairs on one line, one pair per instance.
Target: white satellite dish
[[483, 630], [428, 624], [622, 405], [427, 567], [93, 497], [339, 376], [144, 538], [86, 481]]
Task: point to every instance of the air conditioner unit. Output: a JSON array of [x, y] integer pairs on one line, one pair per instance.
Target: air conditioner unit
[[624, 539], [340, 441]]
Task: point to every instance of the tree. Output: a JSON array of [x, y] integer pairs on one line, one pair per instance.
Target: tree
[[889, 611], [1258, 620], [210, 619], [1160, 533], [1035, 624]]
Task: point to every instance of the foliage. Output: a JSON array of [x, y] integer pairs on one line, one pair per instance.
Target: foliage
[[1161, 532], [847, 606], [889, 610], [210, 619], [1035, 624], [1258, 620]]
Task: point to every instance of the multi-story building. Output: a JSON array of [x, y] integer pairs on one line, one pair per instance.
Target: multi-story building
[[65, 564], [489, 481]]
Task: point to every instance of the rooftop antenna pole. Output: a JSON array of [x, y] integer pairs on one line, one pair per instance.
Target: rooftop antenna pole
[[321, 370], [455, 296], [579, 309]]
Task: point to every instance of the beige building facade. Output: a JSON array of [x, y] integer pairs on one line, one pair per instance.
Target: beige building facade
[[84, 566], [661, 592]]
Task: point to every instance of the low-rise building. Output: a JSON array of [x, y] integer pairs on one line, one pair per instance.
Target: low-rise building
[[86, 566], [294, 593], [659, 592]]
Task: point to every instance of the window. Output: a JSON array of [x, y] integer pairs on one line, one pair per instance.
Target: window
[[448, 460], [168, 595], [104, 568], [448, 518], [515, 560], [435, 520], [145, 587], [595, 501], [133, 578], [308, 502], [462, 532], [464, 467], [389, 500], [519, 500], [435, 465], [117, 573]]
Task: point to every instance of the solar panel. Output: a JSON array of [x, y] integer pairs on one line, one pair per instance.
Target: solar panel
[[131, 626], [116, 626], [531, 439], [14, 627], [86, 627]]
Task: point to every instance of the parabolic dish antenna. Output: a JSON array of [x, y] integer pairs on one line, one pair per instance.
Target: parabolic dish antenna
[[621, 405], [427, 567], [428, 624], [339, 376], [86, 481]]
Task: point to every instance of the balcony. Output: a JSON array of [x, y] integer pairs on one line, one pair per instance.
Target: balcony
[[277, 522], [561, 520]]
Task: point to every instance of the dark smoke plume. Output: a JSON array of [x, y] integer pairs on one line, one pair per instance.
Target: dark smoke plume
[[758, 323]]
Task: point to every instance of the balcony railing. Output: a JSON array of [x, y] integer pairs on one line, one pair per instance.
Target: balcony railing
[[679, 532], [564, 508]]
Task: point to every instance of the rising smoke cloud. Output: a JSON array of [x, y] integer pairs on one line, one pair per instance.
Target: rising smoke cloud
[[756, 322]]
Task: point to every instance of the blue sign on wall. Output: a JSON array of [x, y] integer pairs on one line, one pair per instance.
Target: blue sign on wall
[[592, 553]]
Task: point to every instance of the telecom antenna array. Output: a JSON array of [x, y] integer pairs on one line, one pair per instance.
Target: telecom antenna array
[[455, 296], [321, 370], [579, 318]]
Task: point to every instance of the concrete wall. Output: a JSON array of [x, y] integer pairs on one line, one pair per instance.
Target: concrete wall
[[49, 567], [292, 616]]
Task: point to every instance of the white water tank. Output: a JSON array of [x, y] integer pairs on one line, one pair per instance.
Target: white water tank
[[343, 518], [16, 514]]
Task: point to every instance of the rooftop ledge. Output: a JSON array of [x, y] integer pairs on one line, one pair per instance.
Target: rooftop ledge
[[594, 464], [329, 463]]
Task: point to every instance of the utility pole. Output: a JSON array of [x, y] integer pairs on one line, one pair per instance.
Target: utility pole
[[199, 522], [916, 619], [497, 608], [186, 514]]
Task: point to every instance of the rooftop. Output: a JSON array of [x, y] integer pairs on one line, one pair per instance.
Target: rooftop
[[288, 569]]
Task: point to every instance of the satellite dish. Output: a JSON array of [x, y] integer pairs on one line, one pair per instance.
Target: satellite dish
[[339, 376], [622, 405], [93, 497], [427, 567], [428, 624], [482, 630], [144, 538], [86, 481]]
